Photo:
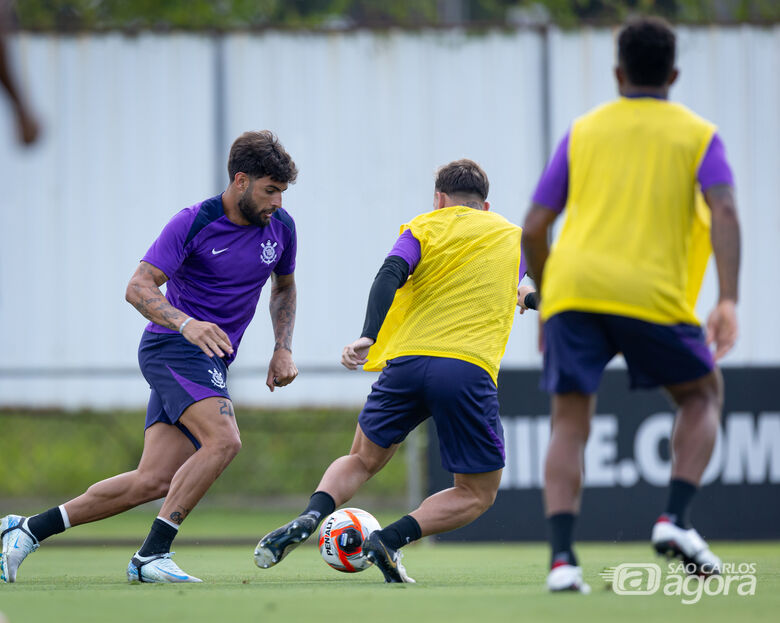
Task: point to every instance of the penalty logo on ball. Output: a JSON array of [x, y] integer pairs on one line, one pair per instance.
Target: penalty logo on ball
[[341, 539]]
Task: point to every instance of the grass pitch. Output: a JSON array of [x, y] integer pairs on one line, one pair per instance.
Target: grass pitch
[[474, 583]]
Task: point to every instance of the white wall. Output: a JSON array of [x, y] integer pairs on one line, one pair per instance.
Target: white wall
[[132, 136]]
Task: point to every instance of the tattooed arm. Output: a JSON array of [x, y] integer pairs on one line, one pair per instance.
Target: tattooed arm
[[282, 370], [143, 293]]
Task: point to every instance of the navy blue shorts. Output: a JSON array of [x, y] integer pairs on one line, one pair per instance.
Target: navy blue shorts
[[179, 374], [460, 396], [578, 346]]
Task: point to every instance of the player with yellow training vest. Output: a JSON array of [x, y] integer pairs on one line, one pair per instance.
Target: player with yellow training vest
[[439, 316], [623, 277]]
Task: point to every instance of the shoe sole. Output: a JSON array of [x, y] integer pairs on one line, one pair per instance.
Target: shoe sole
[[269, 553], [135, 580], [671, 551], [132, 578]]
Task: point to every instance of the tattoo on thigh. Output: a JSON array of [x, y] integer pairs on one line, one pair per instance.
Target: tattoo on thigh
[[226, 408]]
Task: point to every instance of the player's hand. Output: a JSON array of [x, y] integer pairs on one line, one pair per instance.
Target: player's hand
[[722, 327], [281, 370], [208, 337], [522, 292], [356, 354]]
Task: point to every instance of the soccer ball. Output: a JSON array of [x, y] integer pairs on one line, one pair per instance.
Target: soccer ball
[[341, 539]]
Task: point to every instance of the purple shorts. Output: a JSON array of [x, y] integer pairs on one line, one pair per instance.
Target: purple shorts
[[179, 374], [460, 396], [578, 346]]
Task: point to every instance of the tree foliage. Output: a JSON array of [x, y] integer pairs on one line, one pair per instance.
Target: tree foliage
[[345, 14]]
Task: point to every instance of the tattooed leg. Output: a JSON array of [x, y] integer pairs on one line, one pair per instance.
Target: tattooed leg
[[226, 408], [213, 423]]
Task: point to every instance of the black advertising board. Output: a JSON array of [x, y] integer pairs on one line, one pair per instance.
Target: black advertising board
[[627, 462]]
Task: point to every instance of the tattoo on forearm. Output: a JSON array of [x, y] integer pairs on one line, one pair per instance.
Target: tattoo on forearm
[[283, 303], [226, 408], [151, 303]]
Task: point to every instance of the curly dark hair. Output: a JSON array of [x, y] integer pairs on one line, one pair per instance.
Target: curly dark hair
[[260, 154], [463, 177], [646, 51]]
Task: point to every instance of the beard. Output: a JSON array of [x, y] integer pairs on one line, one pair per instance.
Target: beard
[[251, 212]]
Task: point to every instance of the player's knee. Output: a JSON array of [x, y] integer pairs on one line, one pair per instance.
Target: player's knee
[[486, 500], [704, 397], [230, 447], [156, 488], [150, 486], [370, 463], [705, 391], [481, 503], [482, 498]]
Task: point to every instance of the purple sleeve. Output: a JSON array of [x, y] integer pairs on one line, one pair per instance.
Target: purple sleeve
[[714, 168], [286, 263], [523, 266], [553, 187], [407, 247], [167, 252]]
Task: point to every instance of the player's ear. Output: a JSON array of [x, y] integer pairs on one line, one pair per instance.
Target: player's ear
[[486, 206], [241, 180], [439, 200], [673, 77], [620, 76]]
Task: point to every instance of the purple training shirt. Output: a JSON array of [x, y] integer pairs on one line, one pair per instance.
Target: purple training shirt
[[407, 247], [216, 269], [553, 187]]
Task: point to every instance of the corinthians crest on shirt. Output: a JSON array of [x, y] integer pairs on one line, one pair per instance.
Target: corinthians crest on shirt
[[268, 253]]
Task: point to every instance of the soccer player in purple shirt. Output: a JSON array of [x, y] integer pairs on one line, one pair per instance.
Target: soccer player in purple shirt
[[215, 257]]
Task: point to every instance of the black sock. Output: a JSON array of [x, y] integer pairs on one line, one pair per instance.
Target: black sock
[[401, 532], [681, 493], [321, 504], [159, 540], [561, 531], [46, 524]]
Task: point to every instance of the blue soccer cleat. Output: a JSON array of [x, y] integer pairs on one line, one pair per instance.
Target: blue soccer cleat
[[17, 543], [157, 568]]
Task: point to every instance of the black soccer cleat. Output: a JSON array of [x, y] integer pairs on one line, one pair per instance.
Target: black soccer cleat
[[277, 544], [386, 559]]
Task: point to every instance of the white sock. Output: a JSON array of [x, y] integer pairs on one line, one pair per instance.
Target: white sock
[[169, 522], [65, 518]]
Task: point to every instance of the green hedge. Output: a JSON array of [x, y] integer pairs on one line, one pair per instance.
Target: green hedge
[[58, 454], [229, 14]]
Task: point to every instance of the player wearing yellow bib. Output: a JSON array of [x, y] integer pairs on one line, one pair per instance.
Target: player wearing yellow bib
[[452, 279], [623, 277]]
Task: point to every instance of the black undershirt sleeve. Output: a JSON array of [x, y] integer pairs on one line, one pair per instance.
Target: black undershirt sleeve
[[391, 276]]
